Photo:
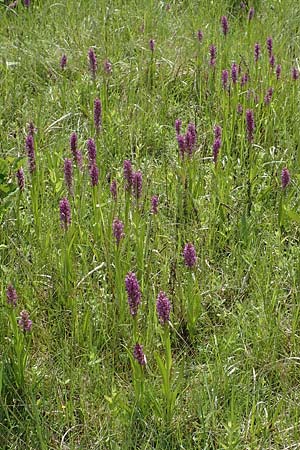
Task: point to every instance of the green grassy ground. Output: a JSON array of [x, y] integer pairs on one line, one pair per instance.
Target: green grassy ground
[[232, 380]]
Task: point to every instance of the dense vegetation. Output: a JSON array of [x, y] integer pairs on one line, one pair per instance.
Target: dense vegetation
[[149, 206]]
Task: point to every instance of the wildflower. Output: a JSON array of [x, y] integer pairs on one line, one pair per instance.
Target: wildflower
[[295, 73], [200, 35], [154, 204], [113, 190], [217, 132], [225, 79], [268, 96], [151, 45], [224, 23], [21, 179], [256, 52], [285, 178], [11, 295], [181, 144], [137, 184], [178, 124], [234, 73], [107, 66], [272, 61], [244, 79], [73, 142], [213, 55], [270, 46], [29, 145], [118, 230], [139, 355], [216, 149], [163, 308], [65, 213], [251, 13], [128, 174], [189, 255], [133, 293], [278, 71], [250, 124], [91, 147], [190, 138], [94, 174], [97, 114], [25, 323], [68, 173], [93, 62], [63, 62], [27, 3]]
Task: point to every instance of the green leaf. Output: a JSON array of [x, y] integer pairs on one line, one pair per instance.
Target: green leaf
[[292, 214]]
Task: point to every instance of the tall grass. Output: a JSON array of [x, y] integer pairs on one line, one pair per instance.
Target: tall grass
[[223, 372]]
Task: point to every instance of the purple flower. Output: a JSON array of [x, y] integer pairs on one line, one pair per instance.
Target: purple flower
[[250, 124], [107, 66], [272, 61], [285, 178], [190, 138], [243, 5], [225, 76], [29, 145], [217, 132], [189, 255], [118, 230], [128, 174], [154, 204], [178, 124], [151, 45], [181, 144], [25, 323], [163, 308], [94, 174], [21, 179], [65, 213], [137, 184], [216, 149], [234, 73], [244, 79], [213, 55], [63, 62], [11, 295], [133, 293], [256, 52], [138, 354], [97, 114], [239, 109], [114, 190], [251, 13], [27, 3], [268, 96], [68, 173], [224, 23], [295, 73], [270, 46], [200, 35], [93, 62], [91, 147], [278, 71], [73, 143]]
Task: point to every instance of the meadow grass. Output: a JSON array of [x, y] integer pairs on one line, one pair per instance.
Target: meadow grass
[[224, 372]]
